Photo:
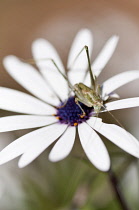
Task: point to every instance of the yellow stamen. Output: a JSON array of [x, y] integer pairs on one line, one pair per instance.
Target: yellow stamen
[[57, 117], [75, 124]]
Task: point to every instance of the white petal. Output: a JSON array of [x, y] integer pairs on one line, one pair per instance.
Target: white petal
[[41, 141], [24, 143], [118, 136], [94, 147], [63, 146], [76, 76], [18, 147], [122, 104], [111, 96], [29, 78], [83, 37], [43, 50], [114, 95], [103, 57], [16, 101], [57, 82], [18, 122], [118, 80]]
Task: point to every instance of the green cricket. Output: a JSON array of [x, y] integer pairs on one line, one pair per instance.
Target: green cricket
[[89, 96]]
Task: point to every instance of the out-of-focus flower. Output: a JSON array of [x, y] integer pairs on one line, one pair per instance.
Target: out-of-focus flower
[[58, 120]]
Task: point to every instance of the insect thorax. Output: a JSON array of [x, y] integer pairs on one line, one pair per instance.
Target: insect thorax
[[88, 96]]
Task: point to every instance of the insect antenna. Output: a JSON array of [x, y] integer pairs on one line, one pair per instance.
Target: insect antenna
[[118, 122], [113, 117], [126, 132]]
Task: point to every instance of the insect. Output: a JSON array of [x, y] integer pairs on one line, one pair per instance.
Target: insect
[[89, 96]]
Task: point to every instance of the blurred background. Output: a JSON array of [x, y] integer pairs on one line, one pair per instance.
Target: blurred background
[[71, 183]]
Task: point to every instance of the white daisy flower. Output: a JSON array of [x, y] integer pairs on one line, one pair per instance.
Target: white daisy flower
[[51, 90]]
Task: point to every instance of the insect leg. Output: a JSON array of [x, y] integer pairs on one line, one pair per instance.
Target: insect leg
[[92, 77], [98, 90], [83, 112]]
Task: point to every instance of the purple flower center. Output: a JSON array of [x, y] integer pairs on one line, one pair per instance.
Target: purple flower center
[[71, 113]]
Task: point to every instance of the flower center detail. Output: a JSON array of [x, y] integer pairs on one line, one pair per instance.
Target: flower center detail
[[70, 113]]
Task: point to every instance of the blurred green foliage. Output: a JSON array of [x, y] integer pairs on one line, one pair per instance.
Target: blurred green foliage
[[71, 184]]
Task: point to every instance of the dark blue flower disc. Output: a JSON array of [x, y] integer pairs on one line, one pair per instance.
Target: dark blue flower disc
[[70, 113]]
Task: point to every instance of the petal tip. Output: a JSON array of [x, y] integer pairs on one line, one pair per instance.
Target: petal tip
[[38, 40], [106, 167], [21, 164], [85, 30], [52, 158], [116, 38], [8, 59]]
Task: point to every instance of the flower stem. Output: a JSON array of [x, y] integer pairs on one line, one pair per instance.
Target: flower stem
[[117, 190]]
